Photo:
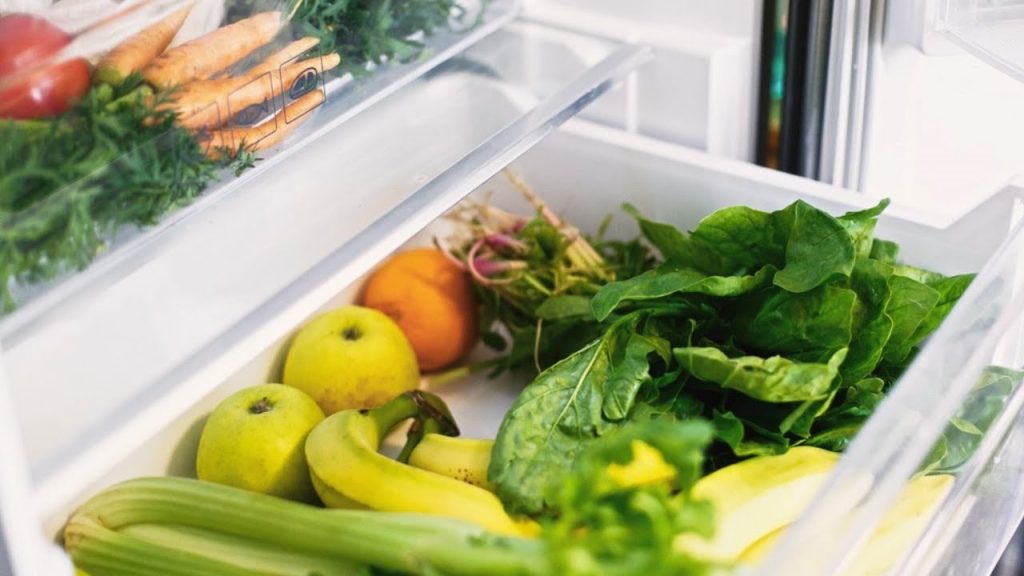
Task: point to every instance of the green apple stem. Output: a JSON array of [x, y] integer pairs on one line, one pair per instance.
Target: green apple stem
[[113, 534]]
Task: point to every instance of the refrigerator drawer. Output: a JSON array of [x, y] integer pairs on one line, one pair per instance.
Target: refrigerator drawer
[[585, 172]]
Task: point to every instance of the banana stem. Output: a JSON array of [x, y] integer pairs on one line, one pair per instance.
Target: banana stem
[[407, 543], [424, 408]]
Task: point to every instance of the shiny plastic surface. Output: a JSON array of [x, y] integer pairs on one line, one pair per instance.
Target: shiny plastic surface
[[990, 29]]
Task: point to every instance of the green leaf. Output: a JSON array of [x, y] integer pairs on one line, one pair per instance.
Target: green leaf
[[560, 412], [773, 379], [677, 247], [608, 528], [744, 236], [885, 251], [745, 438], [917, 274], [909, 303], [672, 278], [818, 248], [950, 290], [627, 376], [861, 228], [870, 280], [564, 306], [779, 322], [837, 426], [973, 419]]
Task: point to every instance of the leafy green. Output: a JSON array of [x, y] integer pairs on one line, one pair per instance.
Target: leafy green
[[817, 322], [884, 251], [554, 417], [909, 304], [818, 248], [774, 379], [974, 417], [784, 328], [669, 279], [608, 528], [69, 184]]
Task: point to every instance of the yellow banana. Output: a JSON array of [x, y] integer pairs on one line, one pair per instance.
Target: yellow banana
[[347, 469], [755, 497], [897, 531], [464, 459], [467, 459]]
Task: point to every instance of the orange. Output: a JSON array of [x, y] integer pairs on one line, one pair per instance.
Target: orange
[[431, 299]]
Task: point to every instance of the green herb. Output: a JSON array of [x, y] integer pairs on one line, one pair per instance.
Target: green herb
[[68, 184], [373, 31], [782, 328]]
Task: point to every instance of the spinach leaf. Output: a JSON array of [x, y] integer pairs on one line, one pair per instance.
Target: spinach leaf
[[950, 290], [675, 246], [818, 248], [780, 322], [870, 280], [860, 226], [773, 379], [909, 303], [885, 251], [670, 279], [745, 438], [562, 410], [967, 428], [629, 373], [837, 426], [743, 236]]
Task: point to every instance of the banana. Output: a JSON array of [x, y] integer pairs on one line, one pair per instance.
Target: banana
[[467, 459], [897, 531], [464, 459], [755, 497], [347, 469]]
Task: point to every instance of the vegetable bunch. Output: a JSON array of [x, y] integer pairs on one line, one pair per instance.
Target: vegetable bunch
[[176, 526], [160, 124], [531, 272], [782, 328]]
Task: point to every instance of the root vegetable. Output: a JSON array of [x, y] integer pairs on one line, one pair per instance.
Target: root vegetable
[[138, 51], [202, 57], [265, 135]]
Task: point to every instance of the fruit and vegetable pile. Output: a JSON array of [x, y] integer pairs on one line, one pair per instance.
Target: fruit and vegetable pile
[[689, 393], [93, 147]]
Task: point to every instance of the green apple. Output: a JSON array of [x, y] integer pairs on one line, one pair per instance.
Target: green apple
[[353, 357], [255, 439]]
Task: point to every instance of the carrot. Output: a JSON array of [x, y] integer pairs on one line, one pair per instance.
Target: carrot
[[207, 102], [266, 86], [203, 56], [266, 135], [136, 52]]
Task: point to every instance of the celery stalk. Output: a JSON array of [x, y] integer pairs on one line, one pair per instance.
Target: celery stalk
[[401, 542]]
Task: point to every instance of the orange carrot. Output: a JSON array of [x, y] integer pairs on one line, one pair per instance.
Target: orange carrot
[[264, 87], [136, 52], [266, 135], [203, 56], [208, 102]]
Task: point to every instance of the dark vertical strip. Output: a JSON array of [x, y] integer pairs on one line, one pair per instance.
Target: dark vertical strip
[[764, 91], [793, 93], [819, 37]]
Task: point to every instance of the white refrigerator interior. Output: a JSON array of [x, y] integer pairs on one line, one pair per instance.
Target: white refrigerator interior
[[109, 374]]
